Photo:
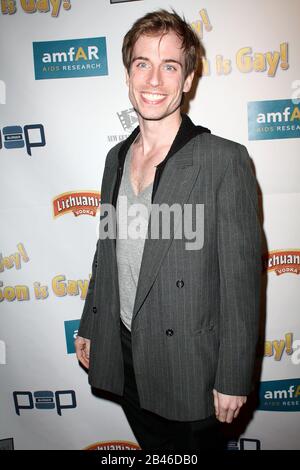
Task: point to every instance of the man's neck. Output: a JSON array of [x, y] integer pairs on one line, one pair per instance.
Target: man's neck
[[155, 135]]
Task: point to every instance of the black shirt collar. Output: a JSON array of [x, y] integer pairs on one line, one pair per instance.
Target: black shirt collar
[[186, 132]]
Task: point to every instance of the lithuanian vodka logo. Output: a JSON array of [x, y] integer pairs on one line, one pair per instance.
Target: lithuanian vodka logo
[[78, 202], [70, 58], [282, 261]]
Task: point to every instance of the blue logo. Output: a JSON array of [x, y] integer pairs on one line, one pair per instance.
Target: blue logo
[[34, 136], [44, 400], [71, 330], [280, 395], [70, 58], [279, 119]]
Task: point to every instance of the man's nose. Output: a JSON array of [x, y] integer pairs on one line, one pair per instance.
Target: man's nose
[[155, 78]]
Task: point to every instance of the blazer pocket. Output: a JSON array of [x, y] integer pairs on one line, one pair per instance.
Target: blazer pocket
[[207, 329]]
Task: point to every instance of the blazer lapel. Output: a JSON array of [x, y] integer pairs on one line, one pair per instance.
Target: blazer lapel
[[176, 183], [175, 187]]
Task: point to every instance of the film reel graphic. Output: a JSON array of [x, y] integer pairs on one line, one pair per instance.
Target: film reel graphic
[[128, 119]]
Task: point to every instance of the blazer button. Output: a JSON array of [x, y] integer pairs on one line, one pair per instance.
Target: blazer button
[[96, 264], [180, 283], [95, 309], [169, 332]]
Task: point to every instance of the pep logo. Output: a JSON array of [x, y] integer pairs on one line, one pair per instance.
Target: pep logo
[[16, 137], [45, 400], [278, 119], [71, 330], [244, 444], [70, 58]]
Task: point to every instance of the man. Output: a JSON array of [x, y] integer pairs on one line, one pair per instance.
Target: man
[[172, 330]]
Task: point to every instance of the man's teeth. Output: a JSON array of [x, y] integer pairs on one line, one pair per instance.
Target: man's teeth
[[152, 97]]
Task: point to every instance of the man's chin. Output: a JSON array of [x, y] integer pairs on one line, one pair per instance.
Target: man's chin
[[148, 116]]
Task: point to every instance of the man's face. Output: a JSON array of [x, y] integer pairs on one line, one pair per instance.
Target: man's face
[[156, 79]]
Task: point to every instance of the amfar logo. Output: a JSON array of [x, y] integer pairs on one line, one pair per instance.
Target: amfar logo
[[34, 136], [278, 119], [71, 331], [70, 58], [280, 395], [44, 400]]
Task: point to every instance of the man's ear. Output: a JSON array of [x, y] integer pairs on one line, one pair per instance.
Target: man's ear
[[126, 77], [188, 82]]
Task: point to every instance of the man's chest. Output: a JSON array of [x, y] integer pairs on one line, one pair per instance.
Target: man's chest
[[142, 170]]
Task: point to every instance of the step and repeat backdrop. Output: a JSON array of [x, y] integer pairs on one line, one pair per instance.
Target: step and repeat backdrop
[[63, 105]]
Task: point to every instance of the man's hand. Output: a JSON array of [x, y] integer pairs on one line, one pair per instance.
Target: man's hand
[[227, 407], [82, 347]]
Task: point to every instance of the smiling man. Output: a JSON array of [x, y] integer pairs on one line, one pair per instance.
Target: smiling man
[[173, 331]]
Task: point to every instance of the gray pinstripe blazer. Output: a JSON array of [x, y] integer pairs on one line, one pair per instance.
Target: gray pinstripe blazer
[[190, 337]]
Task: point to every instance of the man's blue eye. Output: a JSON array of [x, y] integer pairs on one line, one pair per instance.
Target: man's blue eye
[[170, 67]]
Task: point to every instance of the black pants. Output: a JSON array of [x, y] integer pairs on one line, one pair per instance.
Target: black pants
[[156, 432]]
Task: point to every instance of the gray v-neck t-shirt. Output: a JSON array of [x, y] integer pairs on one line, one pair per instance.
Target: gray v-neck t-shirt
[[130, 240]]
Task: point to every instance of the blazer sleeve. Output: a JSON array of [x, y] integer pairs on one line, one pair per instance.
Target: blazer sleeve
[[87, 318], [240, 268]]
